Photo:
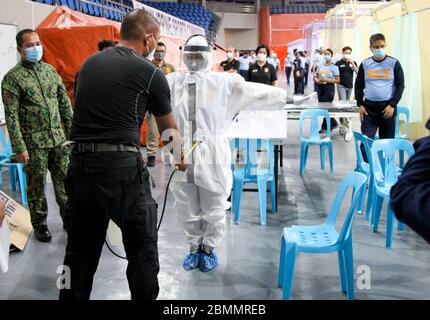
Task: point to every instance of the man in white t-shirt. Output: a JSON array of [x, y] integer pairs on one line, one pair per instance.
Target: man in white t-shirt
[[289, 60], [245, 60]]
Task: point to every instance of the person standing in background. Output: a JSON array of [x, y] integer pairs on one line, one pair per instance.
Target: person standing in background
[[318, 61], [274, 61], [245, 60], [289, 60], [253, 57], [307, 66], [299, 73], [262, 71], [347, 67], [39, 118], [152, 133], [231, 64], [236, 54], [378, 89], [326, 78]]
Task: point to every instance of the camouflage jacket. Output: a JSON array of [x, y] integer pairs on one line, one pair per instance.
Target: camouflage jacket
[[38, 110]]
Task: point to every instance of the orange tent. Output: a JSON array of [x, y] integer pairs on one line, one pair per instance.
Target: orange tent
[[69, 37]]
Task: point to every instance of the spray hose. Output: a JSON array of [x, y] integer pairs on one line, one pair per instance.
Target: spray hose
[[164, 201]]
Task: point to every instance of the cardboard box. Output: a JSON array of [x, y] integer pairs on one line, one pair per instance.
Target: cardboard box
[[19, 222]]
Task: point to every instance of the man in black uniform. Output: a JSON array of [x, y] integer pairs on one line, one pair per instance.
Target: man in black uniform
[[107, 178], [231, 64], [262, 71]]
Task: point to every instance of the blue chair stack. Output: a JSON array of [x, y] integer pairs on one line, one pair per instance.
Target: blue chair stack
[[314, 138], [323, 239], [16, 170], [365, 168], [252, 173], [398, 135], [385, 176]]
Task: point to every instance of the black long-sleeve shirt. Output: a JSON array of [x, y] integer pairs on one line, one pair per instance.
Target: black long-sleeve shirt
[[410, 197], [380, 81]]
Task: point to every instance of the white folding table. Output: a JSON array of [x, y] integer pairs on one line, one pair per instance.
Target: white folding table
[[270, 125], [341, 109]]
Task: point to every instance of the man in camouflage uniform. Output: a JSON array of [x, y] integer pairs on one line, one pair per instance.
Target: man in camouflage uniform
[[152, 133], [38, 118]]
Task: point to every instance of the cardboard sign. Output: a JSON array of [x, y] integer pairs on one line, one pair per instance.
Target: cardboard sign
[[19, 221]]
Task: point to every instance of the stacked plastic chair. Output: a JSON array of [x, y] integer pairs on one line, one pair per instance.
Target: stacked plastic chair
[[323, 239], [385, 175], [398, 134], [364, 166]]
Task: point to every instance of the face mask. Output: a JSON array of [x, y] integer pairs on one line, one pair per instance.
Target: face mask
[[34, 54], [261, 57], [150, 55], [274, 56], [347, 56], [327, 58], [379, 53], [230, 55], [159, 56]]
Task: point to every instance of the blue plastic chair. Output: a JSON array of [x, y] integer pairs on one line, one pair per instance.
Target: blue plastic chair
[[252, 173], [364, 167], [385, 176], [16, 170], [315, 138], [323, 239], [399, 135]]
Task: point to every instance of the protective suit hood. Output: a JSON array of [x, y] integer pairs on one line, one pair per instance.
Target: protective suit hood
[[197, 54]]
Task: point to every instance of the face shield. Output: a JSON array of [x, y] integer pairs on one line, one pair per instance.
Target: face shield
[[197, 55]]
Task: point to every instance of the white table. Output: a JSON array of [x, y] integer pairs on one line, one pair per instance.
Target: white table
[[341, 109], [270, 125]]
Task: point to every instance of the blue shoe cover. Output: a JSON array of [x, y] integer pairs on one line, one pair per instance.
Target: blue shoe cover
[[191, 261], [208, 261]]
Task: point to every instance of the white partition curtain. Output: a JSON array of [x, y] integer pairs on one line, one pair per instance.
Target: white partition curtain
[[406, 48]]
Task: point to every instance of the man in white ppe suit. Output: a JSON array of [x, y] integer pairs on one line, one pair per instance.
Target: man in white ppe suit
[[204, 104]]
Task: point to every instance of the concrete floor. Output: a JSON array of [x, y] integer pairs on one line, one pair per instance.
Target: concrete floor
[[249, 257]]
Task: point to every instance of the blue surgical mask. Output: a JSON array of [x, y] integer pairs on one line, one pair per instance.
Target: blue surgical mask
[[379, 53], [327, 58], [34, 54]]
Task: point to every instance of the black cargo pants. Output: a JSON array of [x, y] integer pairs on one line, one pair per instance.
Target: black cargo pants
[[102, 187]]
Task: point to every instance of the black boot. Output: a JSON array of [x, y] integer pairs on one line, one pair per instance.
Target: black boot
[[42, 233]]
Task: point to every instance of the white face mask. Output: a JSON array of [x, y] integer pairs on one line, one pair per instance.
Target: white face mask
[[347, 56], [261, 57]]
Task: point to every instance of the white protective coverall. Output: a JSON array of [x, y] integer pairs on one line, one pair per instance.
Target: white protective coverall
[[204, 104]]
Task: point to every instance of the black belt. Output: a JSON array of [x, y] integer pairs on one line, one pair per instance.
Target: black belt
[[79, 161], [102, 147]]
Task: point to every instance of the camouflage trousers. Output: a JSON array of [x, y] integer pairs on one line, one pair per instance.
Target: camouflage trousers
[[42, 160]]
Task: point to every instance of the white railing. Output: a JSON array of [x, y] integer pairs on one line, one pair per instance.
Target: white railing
[[103, 6], [231, 7]]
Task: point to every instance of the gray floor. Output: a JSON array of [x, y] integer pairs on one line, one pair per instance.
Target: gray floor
[[249, 255]]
